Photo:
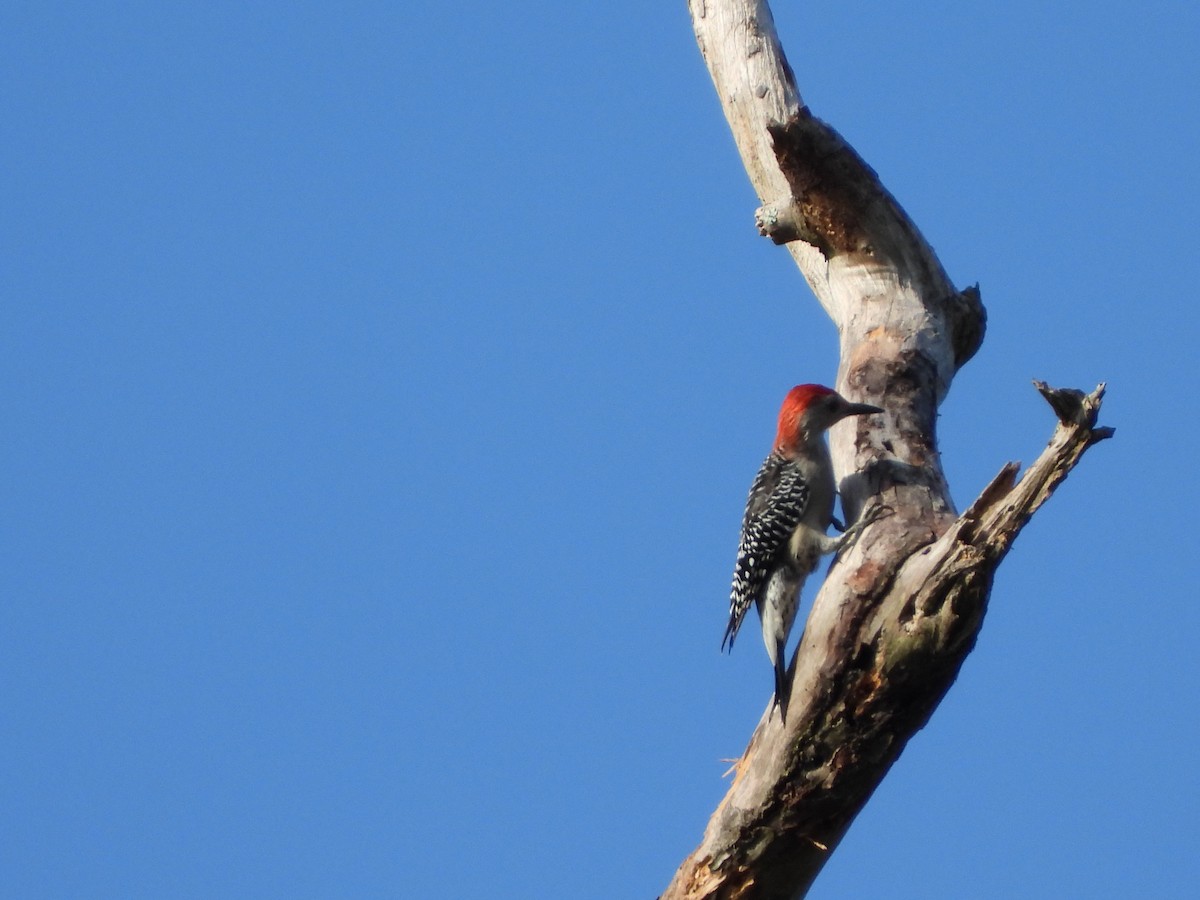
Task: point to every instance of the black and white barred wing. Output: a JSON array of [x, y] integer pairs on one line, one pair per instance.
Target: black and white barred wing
[[774, 509]]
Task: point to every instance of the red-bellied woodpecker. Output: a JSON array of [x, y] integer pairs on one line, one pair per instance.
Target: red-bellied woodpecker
[[783, 531]]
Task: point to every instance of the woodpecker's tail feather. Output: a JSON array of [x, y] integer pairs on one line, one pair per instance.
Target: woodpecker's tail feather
[[731, 630], [782, 686]]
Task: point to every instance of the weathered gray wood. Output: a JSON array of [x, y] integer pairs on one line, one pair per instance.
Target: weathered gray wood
[[898, 613]]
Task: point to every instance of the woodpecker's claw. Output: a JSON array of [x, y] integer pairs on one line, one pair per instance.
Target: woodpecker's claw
[[875, 513], [852, 533]]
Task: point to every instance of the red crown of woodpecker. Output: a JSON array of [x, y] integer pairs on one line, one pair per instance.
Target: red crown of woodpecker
[[795, 403]]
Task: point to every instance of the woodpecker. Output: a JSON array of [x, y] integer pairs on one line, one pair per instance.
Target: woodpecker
[[788, 511]]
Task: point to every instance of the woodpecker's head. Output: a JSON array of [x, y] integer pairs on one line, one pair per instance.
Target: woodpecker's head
[[809, 409]]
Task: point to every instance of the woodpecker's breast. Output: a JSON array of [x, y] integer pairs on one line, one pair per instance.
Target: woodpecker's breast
[[804, 545], [817, 470]]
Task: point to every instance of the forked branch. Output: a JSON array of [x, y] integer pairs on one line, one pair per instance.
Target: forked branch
[[899, 612]]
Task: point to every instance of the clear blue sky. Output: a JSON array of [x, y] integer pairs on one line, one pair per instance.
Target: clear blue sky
[[381, 384]]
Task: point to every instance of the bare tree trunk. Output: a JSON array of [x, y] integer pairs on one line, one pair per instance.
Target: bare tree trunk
[[900, 611]]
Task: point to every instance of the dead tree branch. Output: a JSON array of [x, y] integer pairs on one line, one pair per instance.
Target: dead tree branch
[[899, 612]]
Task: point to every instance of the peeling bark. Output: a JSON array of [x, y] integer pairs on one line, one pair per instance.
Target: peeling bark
[[900, 611]]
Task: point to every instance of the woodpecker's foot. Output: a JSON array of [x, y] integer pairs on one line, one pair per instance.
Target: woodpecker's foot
[[837, 524], [867, 519], [874, 514]]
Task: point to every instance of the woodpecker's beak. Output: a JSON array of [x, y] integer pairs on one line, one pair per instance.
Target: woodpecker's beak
[[859, 409]]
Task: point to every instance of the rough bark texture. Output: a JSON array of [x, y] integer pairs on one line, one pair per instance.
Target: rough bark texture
[[899, 612]]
